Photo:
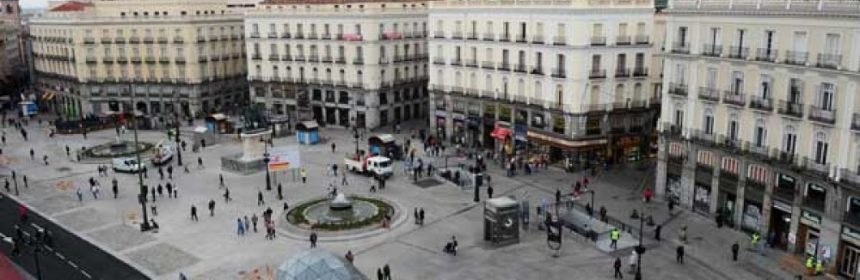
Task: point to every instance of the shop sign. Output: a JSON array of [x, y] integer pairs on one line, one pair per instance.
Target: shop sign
[[441, 114], [786, 178], [851, 235], [520, 132], [458, 116], [782, 206], [809, 218]]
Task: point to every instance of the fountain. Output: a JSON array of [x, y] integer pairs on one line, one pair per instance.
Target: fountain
[[339, 213]]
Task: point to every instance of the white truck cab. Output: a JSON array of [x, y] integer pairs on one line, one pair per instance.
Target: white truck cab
[[126, 164], [375, 165]]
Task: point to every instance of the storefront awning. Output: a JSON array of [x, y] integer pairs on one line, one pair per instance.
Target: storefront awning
[[564, 143], [500, 133]]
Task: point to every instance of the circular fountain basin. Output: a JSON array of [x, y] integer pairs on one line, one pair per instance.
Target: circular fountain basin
[[324, 212], [340, 214], [117, 149]]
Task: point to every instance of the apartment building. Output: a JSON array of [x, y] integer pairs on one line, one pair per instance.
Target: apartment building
[[344, 63], [567, 78], [760, 122], [10, 41], [184, 57]]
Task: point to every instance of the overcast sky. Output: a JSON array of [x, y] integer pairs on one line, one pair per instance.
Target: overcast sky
[[34, 3]]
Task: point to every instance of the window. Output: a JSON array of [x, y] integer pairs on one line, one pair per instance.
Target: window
[[789, 140], [768, 41], [760, 134], [737, 83], [795, 91], [799, 41], [679, 118], [711, 78], [708, 125], [682, 36], [821, 148], [766, 86], [733, 126], [826, 94], [831, 44]]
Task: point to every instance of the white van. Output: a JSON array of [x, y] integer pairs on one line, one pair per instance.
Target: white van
[[127, 164]]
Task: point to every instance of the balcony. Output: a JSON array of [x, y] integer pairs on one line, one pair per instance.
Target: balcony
[[149, 59], [456, 62], [640, 71], [561, 73], [358, 61], [89, 41], [326, 59], [178, 40], [256, 56], [340, 60], [148, 40], [829, 61], [119, 40], [504, 66], [299, 57], [457, 35], [439, 61], [106, 41], [201, 39], [822, 115], [796, 58], [274, 57], [472, 63], [313, 58], [642, 39], [255, 35], [521, 38], [179, 60], [203, 59], [712, 50], [520, 68], [790, 109], [312, 36], [439, 34], [326, 36], [738, 52], [300, 35], [471, 36], [537, 70], [855, 122], [559, 40], [622, 72], [134, 40], [488, 65], [598, 40], [163, 60], [709, 94], [488, 37], [678, 89], [505, 37], [91, 60], [761, 103], [286, 57], [622, 40], [765, 54], [734, 98], [680, 48], [597, 74], [537, 39], [286, 35], [162, 40]]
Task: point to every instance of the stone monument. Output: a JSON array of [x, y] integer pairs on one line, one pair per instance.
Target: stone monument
[[255, 135]]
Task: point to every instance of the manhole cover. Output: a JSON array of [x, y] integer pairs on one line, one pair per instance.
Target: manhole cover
[[64, 169], [427, 183]]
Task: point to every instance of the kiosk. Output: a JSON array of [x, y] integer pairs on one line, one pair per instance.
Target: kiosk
[[307, 132]]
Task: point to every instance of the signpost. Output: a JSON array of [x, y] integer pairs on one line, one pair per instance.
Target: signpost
[[284, 158]]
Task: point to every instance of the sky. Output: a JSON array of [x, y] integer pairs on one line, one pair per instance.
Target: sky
[[27, 4]]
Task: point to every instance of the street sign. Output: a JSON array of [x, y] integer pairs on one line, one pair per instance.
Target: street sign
[[284, 158]]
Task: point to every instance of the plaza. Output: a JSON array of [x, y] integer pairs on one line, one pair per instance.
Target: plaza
[[210, 248]]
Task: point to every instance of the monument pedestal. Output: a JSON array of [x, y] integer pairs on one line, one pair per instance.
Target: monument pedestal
[[250, 161]]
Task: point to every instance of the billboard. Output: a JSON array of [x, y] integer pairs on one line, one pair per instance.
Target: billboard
[[284, 158]]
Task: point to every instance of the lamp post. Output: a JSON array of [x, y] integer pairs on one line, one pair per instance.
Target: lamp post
[[355, 135], [177, 120], [639, 248], [144, 226]]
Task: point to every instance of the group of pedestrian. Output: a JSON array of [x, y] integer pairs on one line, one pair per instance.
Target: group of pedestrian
[[103, 170], [383, 273], [418, 213]]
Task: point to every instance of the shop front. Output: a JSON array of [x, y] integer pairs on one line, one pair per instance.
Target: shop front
[[458, 133], [780, 223], [441, 130], [627, 148], [726, 201], [558, 147], [808, 233], [849, 252], [702, 199]]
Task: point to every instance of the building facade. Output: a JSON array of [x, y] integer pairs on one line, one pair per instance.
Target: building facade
[[353, 63], [759, 125], [566, 78], [11, 47], [183, 57]]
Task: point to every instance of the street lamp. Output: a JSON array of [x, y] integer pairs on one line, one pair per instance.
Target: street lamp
[[266, 162], [639, 248], [177, 120], [355, 135], [144, 226]]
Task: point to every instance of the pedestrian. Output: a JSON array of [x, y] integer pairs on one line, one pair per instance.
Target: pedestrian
[[735, 250], [679, 254], [646, 195], [387, 272], [671, 205], [304, 174], [557, 196], [160, 173], [175, 191], [45, 159], [421, 216], [226, 195], [657, 232], [489, 191], [614, 235], [286, 206], [240, 228], [77, 192], [160, 191], [194, 213], [170, 172], [211, 207], [221, 180], [379, 275], [634, 257], [26, 185], [95, 190], [254, 221], [32, 154], [115, 189], [153, 209], [617, 267], [313, 239], [343, 181], [683, 234], [280, 192], [332, 147], [169, 189], [199, 163], [349, 257], [68, 151], [260, 198], [247, 224]]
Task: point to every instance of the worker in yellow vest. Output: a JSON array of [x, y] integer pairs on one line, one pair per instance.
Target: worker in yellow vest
[[809, 265], [614, 235], [819, 268], [754, 241]]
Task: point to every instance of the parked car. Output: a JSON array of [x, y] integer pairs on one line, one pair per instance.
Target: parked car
[[127, 164]]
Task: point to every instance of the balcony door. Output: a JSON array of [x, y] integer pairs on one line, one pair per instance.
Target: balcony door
[[826, 94]]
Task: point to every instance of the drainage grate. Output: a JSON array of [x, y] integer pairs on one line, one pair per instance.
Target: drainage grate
[[427, 183]]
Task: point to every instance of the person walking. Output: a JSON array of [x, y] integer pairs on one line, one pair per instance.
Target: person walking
[[77, 192], [679, 254], [254, 220], [161, 191], [343, 181], [199, 163], [170, 171], [211, 208], [735, 249], [169, 190], [194, 213], [489, 191], [313, 239], [386, 271], [683, 234], [617, 267], [280, 192], [614, 235], [226, 195], [333, 146], [160, 173], [221, 180], [115, 189], [304, 174], [379, 275], [421, 216], [26, 185], [260, 198], [349, 257], [175, 191], [240, 228], [247, 224]]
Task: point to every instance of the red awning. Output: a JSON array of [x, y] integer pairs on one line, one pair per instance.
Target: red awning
[[501, 133]]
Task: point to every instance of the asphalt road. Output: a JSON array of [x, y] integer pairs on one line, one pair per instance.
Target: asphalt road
[[70, 258]]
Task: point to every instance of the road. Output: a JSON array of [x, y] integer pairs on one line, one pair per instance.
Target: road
[[71, 258]]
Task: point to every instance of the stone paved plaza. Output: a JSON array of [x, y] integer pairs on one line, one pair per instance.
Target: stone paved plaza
[[211, 249]]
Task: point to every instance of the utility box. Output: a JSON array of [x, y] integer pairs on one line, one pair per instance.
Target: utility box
[[501, 221]]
